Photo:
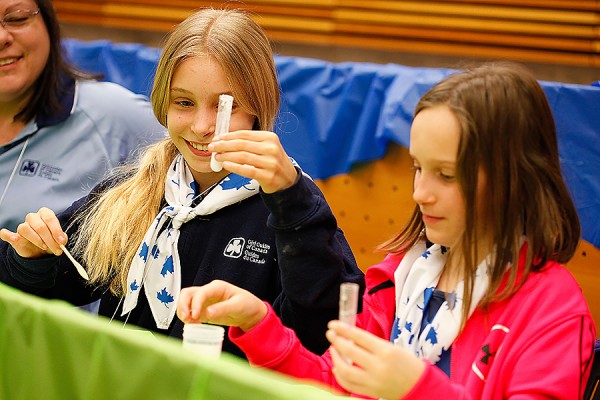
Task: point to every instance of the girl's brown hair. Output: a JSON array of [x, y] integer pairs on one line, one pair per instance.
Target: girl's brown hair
[[507, 132]]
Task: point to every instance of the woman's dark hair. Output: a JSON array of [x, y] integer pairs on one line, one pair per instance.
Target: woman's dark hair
[[50, 85]]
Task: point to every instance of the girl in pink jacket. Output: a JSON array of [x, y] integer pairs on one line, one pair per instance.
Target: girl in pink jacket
[[471, 302]]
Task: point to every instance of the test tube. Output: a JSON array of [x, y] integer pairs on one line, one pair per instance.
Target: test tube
[[222, 125], [348, 302], [348, 305]]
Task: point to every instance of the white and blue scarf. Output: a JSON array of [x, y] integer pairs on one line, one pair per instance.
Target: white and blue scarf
[[416, 277], [156, 267]]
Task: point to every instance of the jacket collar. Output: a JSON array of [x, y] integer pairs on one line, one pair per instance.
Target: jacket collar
[[384, 271]]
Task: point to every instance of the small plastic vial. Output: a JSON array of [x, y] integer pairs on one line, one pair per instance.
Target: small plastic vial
[[348, 305], [204, 339], [348, 302], [222, 125]]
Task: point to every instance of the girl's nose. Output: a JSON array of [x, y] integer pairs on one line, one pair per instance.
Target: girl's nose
[[422, 189], [204, 122]]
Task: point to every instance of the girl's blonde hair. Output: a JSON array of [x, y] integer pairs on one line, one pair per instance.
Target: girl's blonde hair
[[114, 223]]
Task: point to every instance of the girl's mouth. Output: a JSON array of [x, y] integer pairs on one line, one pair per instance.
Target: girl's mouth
[[199, 149]]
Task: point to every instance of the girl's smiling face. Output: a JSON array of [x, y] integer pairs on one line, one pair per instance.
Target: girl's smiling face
[[196, 86]]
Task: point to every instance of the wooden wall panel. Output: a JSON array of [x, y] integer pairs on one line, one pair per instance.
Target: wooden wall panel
[[561, 32]]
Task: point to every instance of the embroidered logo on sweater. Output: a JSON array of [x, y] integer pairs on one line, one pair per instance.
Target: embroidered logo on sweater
[[29, 168], [45, 171], [234, 248], [248, 250]]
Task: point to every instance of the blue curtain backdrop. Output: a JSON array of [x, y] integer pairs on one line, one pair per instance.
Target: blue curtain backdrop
[[336, 114]]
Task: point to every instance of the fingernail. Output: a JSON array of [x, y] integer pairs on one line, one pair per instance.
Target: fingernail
[[62, 239]]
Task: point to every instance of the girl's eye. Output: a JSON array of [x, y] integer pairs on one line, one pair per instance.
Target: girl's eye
[[184, 103], [446, 177]]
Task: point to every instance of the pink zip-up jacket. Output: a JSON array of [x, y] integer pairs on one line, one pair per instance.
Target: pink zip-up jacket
[[538, 344]]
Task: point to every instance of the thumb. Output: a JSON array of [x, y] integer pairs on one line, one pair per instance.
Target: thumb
[[8, 236], [22, 246]]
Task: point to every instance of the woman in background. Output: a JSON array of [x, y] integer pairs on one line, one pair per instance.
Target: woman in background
[[60, 131]]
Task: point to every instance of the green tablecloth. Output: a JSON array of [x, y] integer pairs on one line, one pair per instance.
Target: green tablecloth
[[51, 350]]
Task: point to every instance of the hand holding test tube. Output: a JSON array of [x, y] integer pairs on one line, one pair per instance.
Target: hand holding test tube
[[222, 125]]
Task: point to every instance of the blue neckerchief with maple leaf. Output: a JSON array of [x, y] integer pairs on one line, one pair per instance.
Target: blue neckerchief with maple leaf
[[156, 268], [416, 278]]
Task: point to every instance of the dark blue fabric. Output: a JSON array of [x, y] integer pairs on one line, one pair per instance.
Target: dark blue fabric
[[334, 115], [431, 307]]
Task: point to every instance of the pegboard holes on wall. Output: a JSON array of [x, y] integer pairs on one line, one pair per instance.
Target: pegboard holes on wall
[[372, 202]]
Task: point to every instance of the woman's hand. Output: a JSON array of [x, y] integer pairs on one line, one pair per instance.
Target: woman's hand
[[257, 155], [220, 303], [377, 368], [38, 236]]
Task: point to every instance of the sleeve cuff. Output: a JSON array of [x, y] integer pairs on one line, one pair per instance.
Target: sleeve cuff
[[289, 208], [270, 330], [39, 273]]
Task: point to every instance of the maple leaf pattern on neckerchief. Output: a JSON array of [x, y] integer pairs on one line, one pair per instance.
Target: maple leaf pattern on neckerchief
[[234, 181], [165, 297], [432, 335], [155, 252], [134, 286], [144, 251], [194, 189], [167, 266], [156, 270], [451, 300]]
